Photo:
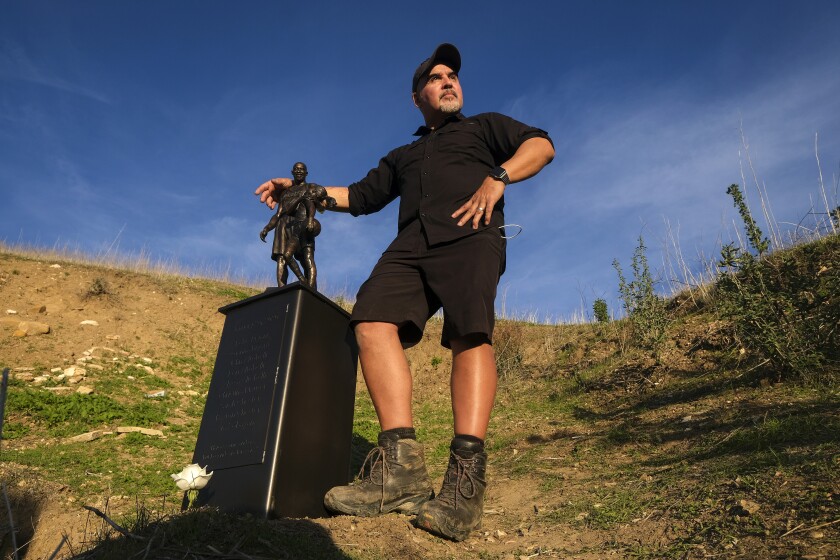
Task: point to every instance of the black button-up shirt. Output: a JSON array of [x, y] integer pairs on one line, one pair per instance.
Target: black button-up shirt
[[437, 173]]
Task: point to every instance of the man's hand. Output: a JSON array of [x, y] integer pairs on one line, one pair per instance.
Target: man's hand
[[263, 233], [268, 190], [481, 204]]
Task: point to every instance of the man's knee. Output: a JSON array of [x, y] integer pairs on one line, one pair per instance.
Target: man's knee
[[374, 332]]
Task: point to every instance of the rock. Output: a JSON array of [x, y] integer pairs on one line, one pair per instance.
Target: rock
[[744, 508], [156, 394], [138, 429], [55, 266], [147, 369], [72, 371], [10, 321], [84, 390], [11, 312], [38, 309], [24, 376], [75, 379], [94, 366], [112, 336], [147, 360], [90, 322], [88, 436], [41, 379], [56, 370], [30, 328]]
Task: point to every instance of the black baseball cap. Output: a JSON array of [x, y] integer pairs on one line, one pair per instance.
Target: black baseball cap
[[445, 53]]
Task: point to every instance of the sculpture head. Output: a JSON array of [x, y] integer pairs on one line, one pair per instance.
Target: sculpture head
[[299, 172]]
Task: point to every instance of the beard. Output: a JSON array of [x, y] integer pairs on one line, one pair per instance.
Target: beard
[[450, 106]]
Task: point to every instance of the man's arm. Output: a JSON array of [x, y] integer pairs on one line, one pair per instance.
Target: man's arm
[[269, 192], [531, 156]]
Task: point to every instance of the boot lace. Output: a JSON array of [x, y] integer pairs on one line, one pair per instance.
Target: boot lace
[[459, 474], [378, 470]]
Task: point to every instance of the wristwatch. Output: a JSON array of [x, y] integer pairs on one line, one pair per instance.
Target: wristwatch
[[500, 173]]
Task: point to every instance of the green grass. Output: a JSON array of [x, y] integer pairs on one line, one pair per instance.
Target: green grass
[[63, 415]]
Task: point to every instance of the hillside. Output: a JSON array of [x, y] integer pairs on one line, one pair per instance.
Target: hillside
[[597, 449]]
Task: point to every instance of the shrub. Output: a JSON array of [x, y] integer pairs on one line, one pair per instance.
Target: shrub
[[599, 309], [785, 306]]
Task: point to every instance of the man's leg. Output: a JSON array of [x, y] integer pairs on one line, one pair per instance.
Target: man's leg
[[456, 511], [398, 480], [386, 373], [473, 385]]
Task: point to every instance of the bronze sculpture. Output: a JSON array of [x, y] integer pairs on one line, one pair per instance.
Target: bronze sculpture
[[295, 227]]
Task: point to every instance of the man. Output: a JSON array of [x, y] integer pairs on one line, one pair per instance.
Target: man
[[449, 252], [295, 227]]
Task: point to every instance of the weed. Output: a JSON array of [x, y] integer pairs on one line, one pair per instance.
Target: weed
[[99, 288], [436, 361], [645, 310], [508, 345]]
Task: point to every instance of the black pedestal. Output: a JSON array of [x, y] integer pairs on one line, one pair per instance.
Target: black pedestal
[[278, 421]]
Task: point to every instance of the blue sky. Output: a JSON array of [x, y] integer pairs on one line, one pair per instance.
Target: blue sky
[[147, 125]]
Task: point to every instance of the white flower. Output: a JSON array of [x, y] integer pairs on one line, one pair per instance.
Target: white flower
[[192, 477]]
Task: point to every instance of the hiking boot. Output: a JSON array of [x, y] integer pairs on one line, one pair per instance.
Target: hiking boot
[[396, 481], [457, 509]]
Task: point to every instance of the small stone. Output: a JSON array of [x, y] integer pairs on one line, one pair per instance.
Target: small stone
[[130, 377], [816, 534], [147, 369], [191, 393], [147, 360], [11, 312], [24, 376], [56, 370], [75, 379], [498, 533], [41, 379], [112, 336], [84, 390], [95, 366], [750, 507], [55, 266], [38, 309], [686, 419], [90, 322]]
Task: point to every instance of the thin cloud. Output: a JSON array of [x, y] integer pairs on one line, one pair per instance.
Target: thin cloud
[[15, 65]]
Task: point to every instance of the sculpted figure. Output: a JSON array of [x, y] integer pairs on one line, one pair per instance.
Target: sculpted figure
[[295, 227]]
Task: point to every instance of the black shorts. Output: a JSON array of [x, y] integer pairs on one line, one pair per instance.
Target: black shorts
[[407, 287]]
